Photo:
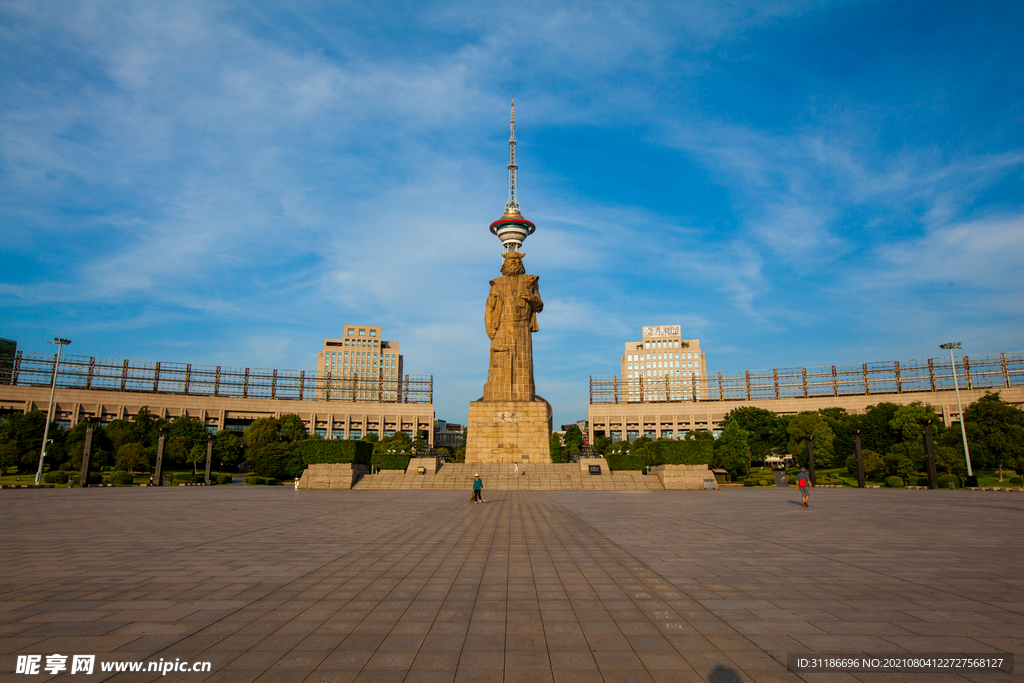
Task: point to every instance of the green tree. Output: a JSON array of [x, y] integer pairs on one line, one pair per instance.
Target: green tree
[[602, 444], [877, 433], [555, 447], [147, 427], [8, 456], [912, 452], [120, 432], [278, 460], [732, 451], [805, 425], [573, 439], [292, 428], [74, 445], [175, 453], [131, 456], [898, 463], [195, 456], [227, 448], [25, 432], [189, 430], [874, 464], [947, 458], [995, 433], [400, 441], [766, 433], [260, 434], [842, 425], [906, 422]]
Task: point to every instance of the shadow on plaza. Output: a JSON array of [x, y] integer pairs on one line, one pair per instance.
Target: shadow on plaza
[[723, 674]]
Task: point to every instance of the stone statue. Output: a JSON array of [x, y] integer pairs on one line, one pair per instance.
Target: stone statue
[[510, 318]]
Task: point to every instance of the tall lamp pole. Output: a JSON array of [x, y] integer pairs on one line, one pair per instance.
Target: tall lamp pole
[[61, 343], [956, 387]]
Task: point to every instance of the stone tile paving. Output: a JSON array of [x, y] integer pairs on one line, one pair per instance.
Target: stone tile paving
[[872, 570], [271, 584]]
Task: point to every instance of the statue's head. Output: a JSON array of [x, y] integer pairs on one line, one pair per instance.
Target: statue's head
[[513, 264]]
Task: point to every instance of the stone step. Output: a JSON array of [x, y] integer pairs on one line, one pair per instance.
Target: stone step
[[502, 477], [615, 482]]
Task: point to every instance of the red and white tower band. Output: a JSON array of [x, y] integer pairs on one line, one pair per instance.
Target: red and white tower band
[[512, 228]]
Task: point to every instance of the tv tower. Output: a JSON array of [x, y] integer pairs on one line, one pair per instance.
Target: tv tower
[[512, 228]]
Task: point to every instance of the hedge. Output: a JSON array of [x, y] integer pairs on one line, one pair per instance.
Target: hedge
[[944, 480], [121, 478], [617, 461], [335, 451], [260, 481], [94, 478], [894, 482], [56, 477], [682, 452], [390, 461]]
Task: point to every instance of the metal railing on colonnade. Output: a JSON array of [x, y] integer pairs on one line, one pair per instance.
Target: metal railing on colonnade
[[994, 371], [105, 374]]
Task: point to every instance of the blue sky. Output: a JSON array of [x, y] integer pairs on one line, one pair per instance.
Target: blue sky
[[795, 183]]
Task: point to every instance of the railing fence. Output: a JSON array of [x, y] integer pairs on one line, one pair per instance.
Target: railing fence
[[105, 374], [994, 371]]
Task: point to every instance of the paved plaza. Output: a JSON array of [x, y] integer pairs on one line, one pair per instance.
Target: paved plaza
[[273, 584]]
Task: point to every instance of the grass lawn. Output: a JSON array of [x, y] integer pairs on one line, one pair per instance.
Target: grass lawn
[[985, 479], [991, 479], [175, 476]]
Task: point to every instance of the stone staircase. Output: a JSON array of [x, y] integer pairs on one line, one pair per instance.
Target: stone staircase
[[500, 477]]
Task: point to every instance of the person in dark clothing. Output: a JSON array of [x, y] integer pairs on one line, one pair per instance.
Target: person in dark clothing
[[478, 489]]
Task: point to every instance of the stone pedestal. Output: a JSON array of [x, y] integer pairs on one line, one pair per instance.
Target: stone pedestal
[[429, 466], [331, 476], [585, 464], [509, 431], [685, 477]]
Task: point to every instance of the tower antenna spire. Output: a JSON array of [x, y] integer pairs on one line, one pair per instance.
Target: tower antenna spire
[[512, 228], [512, 205]]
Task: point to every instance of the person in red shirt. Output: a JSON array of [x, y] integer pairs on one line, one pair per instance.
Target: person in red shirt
[[804, 483]]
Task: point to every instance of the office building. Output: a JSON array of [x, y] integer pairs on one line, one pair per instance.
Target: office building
[[662, 366], [361, 366]]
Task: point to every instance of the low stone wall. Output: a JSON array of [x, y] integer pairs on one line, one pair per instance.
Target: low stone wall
[[428, 464], [585, 464], [684, 477], [331, 476]]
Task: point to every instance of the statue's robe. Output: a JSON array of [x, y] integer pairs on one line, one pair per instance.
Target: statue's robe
[[510, 318]]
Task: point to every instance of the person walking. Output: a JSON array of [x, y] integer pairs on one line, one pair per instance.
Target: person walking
[[478, 489], [804, 484], [517, 469]]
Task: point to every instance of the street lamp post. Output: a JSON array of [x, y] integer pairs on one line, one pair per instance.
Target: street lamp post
[[959, 407], [61, 343]]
